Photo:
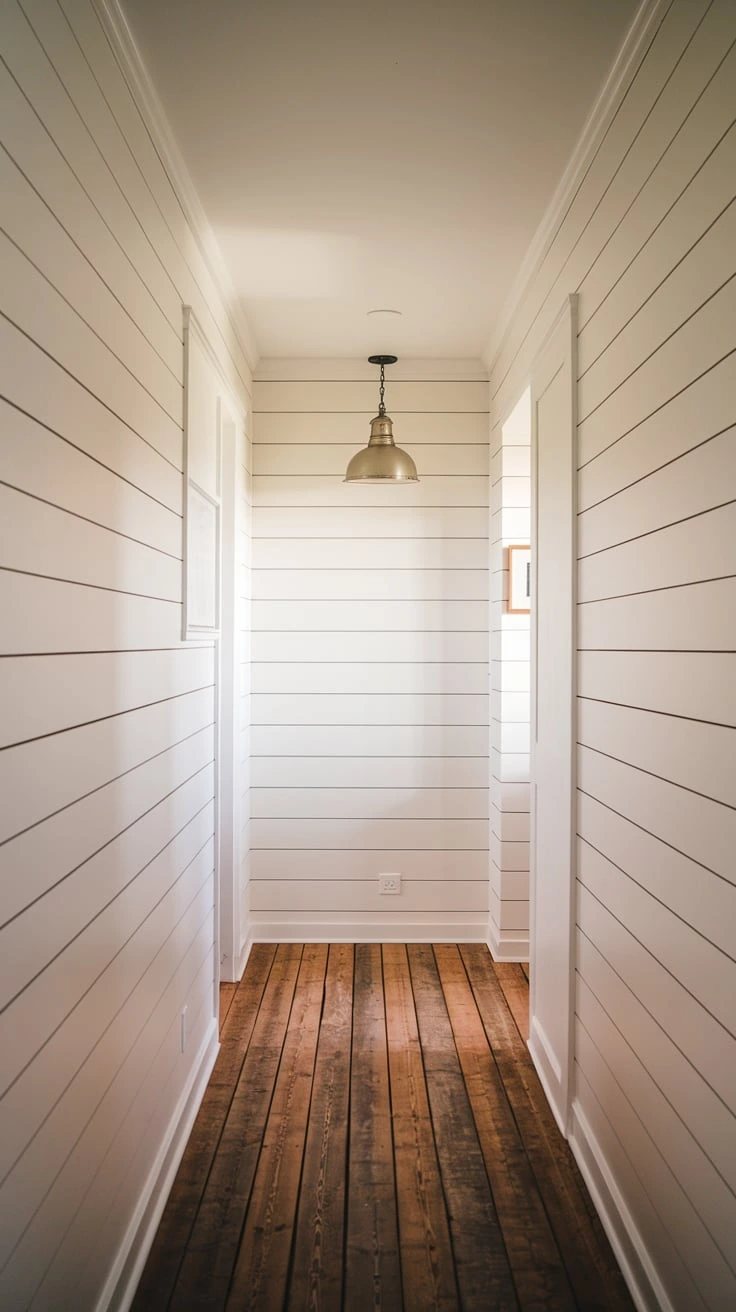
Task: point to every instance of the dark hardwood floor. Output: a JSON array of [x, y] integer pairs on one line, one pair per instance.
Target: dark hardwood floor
[[374, 1136]]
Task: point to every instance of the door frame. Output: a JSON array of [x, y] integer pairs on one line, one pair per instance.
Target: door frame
[[228, 695], [557, 352]]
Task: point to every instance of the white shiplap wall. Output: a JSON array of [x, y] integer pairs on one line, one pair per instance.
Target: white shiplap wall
[[647, 238], [107, 898], [370, 656], [508, 924]]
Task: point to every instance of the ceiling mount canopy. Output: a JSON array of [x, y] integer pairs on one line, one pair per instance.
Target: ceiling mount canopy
[[382, 461]]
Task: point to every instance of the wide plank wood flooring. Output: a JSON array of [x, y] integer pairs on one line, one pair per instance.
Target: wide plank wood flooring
[[374, 1136]]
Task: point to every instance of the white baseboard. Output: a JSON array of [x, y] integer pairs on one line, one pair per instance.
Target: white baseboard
[[638, 1271], [507, 944], [548, 1070], [312, 929], [245, 952], [130, 1260]]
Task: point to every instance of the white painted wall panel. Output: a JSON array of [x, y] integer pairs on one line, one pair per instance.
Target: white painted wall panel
[[374, 521], [646, 241], [354, 802], [387, 772], [412, 647], [420, 428], [436, 864], [370, 650], [373, 584], [326, 492], [374, 677], [685, 552], [289, 458], [441, 553], [37, 462], [107, 864]]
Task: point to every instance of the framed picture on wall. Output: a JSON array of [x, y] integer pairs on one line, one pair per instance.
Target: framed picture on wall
[[520, 579]]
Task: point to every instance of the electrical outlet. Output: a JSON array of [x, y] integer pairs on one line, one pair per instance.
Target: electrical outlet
[[389, 884]]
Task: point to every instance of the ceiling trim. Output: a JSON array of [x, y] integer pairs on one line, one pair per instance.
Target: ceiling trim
[[647, 18], [151, 110]]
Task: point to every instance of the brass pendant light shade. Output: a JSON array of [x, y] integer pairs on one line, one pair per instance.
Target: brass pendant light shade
[[382, 461]]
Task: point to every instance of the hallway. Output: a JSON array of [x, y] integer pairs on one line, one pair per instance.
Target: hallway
[[374, 1135]]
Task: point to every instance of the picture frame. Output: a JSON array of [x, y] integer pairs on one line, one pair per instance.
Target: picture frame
[[520, 577]]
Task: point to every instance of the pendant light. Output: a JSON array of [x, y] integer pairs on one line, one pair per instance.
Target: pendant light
[[382, 461]]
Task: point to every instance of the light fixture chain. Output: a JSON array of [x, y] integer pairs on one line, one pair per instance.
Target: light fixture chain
[[382, 404]]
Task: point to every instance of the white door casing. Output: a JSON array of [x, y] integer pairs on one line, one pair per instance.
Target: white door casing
[[553, 645]]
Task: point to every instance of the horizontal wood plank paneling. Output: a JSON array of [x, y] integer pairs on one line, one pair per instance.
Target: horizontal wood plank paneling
[[688, 752], [39, 539], [345, 864], [323, 396], [686, 552], [374, 584], [355, 897], [356, 709], [36, 461], [698, 1035], [343, 615], [68, 410], [699, 685], [646, 241], [45, 694], [691, 416], [35, 154], [107, 770], [370, 649], [665, 874], [689, 486], [423, 428], [693, 825], [41, 777], [700, 617], [307, 554], [388, 830], [369, 772], [418, 647], [335, 803], [371, 678], [290, 458], [330, 492], [372, 521], [370, 740], [83, 828], [693, 1100]]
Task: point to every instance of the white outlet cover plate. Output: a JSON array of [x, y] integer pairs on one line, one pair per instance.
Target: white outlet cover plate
[[389, 884]]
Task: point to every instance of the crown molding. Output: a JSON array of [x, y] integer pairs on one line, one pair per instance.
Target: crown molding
[[646, 20], [141, 87]]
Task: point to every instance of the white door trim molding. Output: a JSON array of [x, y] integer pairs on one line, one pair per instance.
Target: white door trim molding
[[552, 909]]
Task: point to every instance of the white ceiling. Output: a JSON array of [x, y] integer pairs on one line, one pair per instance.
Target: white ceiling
[[355, 157]]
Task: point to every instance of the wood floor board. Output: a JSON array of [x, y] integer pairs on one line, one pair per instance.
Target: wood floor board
[[172, 1237], [372, 1269], [515, 988], [262, 1267], [591, 1267], [536, 1262], [374, 1136], [317, 1263], [427, 1266], [481, 1263], [227, 993], [208, 1264]]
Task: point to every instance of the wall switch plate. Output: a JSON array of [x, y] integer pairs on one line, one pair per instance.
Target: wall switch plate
[[389, 884]]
